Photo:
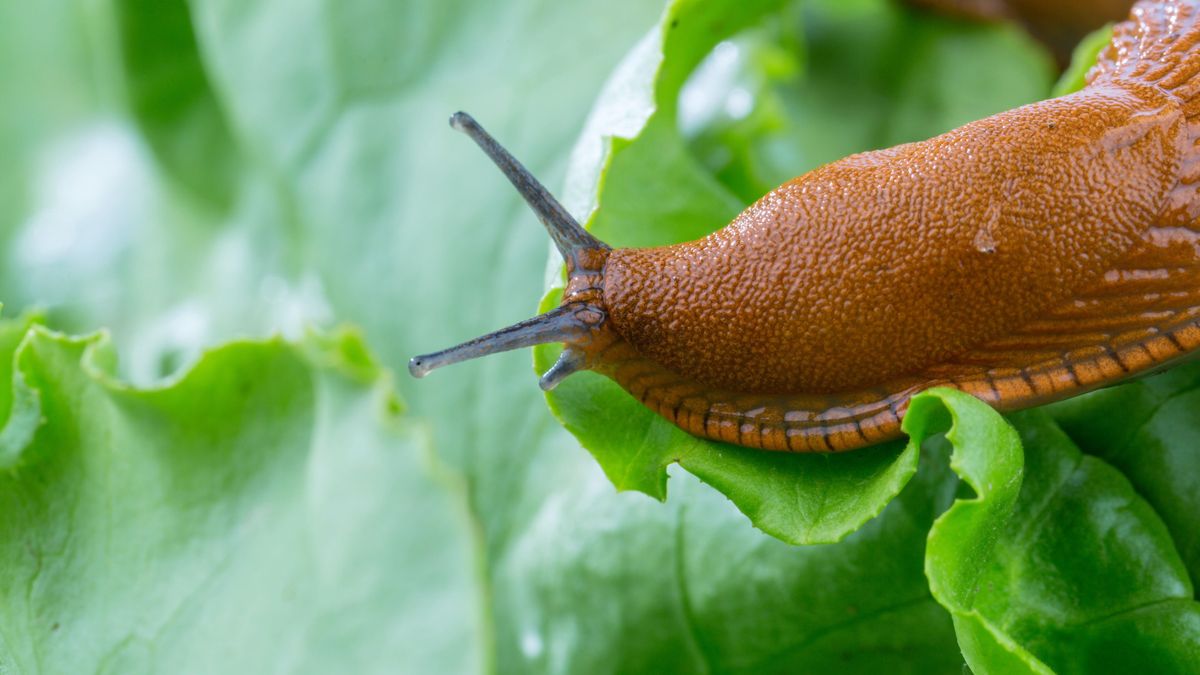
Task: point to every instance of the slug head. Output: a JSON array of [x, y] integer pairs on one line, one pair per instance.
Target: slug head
[[579, 320]]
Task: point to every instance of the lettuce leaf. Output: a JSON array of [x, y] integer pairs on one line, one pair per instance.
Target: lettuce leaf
[[1055, 563], [251, 511]]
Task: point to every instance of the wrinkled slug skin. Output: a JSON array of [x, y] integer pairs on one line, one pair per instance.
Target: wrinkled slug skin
[[1032, 255], [887, 262]]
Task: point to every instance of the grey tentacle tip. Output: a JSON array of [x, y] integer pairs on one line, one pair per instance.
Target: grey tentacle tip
[[460, 120], [418, 367], [570, 361]]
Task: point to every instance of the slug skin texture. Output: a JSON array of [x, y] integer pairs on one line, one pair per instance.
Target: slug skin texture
[[1025, 257]]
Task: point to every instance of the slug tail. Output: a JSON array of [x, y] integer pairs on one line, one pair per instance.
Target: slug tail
[[1159, 46]]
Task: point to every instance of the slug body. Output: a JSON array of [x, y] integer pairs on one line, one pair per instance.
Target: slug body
[[1022, 258]]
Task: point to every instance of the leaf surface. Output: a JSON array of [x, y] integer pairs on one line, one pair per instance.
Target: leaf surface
[[262, 501], [1054, 563]]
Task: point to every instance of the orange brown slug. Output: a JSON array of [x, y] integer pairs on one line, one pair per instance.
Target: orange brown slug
[[1023, 258]]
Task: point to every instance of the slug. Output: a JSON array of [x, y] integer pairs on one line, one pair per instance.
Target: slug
[[1023, 258]]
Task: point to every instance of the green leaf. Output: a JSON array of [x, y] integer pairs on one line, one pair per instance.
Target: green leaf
[[401, 224], [268, 501], [40, 78], [1058, 564], [618, 583], [20, 409], [1082, 59], [108, 231], [171, 99], [1148, 429], [391, 219], [651, 190], [356, 202], [798, 498], [859, 75]]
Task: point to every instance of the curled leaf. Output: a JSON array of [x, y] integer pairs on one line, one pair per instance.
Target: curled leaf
[[1054, 561]]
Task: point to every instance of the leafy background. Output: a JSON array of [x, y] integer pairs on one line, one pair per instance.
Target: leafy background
[[204, 180]]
